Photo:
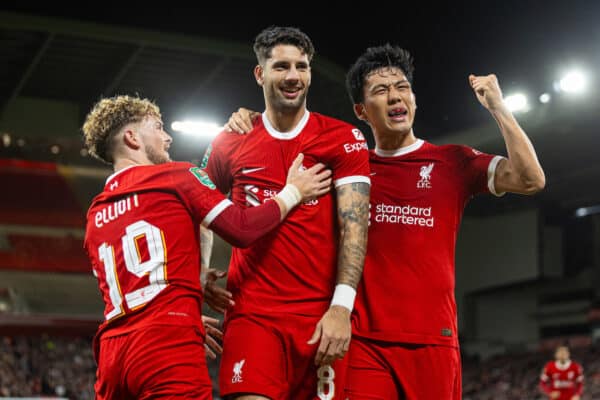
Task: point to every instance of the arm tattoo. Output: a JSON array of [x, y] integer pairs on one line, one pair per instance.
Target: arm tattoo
[[353, 218]]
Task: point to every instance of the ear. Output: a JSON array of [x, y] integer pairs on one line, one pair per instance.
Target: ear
[[359, 111], [259, 74], [414, 98], [131, 140]]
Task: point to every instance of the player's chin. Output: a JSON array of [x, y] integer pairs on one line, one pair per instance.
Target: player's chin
[[296, 101], [401, 127]]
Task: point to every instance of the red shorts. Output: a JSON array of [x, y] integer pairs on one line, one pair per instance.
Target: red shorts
[[270, 357], [159, 361], [380, 370]]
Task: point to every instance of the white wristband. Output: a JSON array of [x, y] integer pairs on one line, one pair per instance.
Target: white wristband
[[290, 195], [344, 296]]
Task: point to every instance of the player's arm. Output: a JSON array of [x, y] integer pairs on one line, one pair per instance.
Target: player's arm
[[578, 383], [334, 329], [546, 385], [206, 244], [521, 172], [215, 296], [242, 226]]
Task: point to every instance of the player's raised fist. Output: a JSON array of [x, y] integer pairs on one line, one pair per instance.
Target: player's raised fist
[[487, 90]]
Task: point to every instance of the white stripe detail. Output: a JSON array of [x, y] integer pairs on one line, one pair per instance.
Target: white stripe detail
[[401, 151], [285, 135], [214, 213], [352, 179], [491, 174], [118, 172]]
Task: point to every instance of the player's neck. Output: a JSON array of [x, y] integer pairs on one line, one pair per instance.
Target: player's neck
[[126, 162], [395, 141], [285, 121]]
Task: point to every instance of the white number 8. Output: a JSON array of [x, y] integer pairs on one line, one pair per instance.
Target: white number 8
[[154, 267], [325, 385]]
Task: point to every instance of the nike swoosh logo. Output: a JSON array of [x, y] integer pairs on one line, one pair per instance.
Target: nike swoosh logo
[[250, 170], [373, 173]]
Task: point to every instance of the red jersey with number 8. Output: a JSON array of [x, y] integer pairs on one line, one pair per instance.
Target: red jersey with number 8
[[143, 214]]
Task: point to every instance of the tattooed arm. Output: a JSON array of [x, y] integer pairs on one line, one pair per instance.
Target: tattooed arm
[[334, 328], [353, 218]]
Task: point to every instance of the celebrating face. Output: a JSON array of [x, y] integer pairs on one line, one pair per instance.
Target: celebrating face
[[285, 78]]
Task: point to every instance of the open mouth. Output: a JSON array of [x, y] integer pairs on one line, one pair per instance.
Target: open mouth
[[291, 93], [398, 114]]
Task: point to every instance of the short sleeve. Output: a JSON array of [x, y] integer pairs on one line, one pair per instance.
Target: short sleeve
[[217, 162], [350, 156], [478, 170], [198, 193]]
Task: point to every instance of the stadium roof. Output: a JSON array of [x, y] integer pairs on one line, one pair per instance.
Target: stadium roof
[[188, 70]]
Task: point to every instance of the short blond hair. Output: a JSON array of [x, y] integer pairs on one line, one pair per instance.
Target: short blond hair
[[108, 117]]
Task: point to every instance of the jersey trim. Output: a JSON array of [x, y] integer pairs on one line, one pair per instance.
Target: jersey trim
[[114, 174], [352, 179], [562, 367], [285, 135], [214, 213], [492, 174], [401, 151]]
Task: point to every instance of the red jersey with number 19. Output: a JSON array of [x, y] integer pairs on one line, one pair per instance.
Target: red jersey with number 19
[[133, 227], [292, 269], [417, 200]]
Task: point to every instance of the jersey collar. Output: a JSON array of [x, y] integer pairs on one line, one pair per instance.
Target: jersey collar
[[118, 172], [285, 135], [401, 151], [562, 367]]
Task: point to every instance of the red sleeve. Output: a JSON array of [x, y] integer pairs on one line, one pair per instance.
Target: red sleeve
[[350, 156], [217, 159], [242, 227], [238, 226], [579, 380], [197, 192], [545, 382], [478, 170]]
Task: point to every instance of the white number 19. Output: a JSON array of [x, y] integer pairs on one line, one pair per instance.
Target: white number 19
[[155, 266]]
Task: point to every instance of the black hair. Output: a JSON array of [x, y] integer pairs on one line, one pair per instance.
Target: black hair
[[276, 35], [373, 59]]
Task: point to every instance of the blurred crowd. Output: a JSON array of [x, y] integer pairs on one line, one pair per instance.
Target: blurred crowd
[[48, 366], [65, 367], [516, 376]]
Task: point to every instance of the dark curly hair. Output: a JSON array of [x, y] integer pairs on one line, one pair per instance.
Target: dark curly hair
[[375, 58], [276, 35]]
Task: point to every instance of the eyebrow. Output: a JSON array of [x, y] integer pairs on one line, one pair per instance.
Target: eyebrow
[[281, 63], [387, 85]]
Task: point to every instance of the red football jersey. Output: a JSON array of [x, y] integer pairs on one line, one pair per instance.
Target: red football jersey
[[566, 378], [293, 269], [417, 199], [142, 240]]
